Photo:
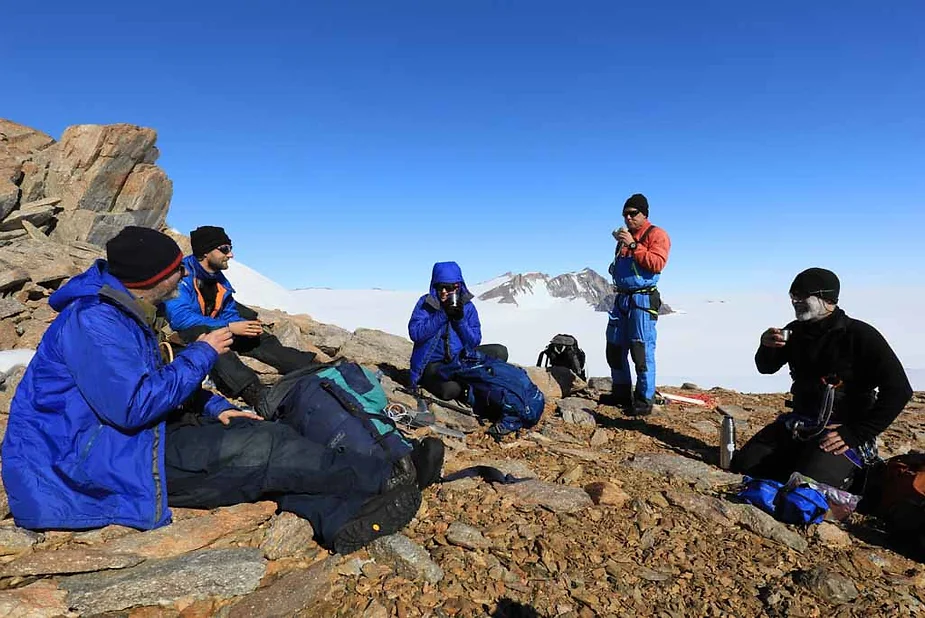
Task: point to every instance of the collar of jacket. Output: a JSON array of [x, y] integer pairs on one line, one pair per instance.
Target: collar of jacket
[[638, 233], [836, 320], [136, 308], [434, 302]]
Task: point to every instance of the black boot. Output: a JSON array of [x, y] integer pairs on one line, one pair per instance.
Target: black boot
[[620, 396], [253, 394], [641, 407], [382, 515], [403, 473], [428, 457]]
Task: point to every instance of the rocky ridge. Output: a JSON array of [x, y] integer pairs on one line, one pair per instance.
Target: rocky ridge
[[610, 516]]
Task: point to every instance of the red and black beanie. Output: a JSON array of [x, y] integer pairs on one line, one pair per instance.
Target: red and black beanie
[[140, 257]]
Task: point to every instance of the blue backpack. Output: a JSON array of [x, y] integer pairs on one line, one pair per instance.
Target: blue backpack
[[497, 390], [339, 406]]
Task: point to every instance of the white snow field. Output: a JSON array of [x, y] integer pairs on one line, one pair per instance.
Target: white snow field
[[711, 341]]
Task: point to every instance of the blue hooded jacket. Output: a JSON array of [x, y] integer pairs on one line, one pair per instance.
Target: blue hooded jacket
[[433, 332], [185, 311], [84, 446]]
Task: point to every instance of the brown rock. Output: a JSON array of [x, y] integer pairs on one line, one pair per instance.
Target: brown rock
[[374, 347], [68, 561], [545, 382], [288, 535], [43, 599], [15, 540], [308, 591], [32, 332], [606, 493], [556, 498], [10, 307], [191, 534]]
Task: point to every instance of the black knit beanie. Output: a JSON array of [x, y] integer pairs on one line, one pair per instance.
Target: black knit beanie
[[140, 257], [816, 282], [639, 202], [206, 238]]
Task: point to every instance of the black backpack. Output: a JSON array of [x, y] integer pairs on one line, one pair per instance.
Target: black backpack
[[563, 351]]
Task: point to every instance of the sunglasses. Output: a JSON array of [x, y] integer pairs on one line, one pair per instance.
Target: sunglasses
[[447, 287], [225, 249], [181, 269], [630, 213], [800, 298]]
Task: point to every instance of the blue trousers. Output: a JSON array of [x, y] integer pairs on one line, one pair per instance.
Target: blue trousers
[[631, 331]]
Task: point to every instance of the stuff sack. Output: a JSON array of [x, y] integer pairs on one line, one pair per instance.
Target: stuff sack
[[339, 406], [802, 505], [497, 390], [563, 351], [760, 492]]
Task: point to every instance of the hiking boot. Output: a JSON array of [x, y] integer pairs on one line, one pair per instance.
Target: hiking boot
[[403, 473], [619, 397], [382, 515], [640, 407], [253, 394], [498, 432], [428, 460]]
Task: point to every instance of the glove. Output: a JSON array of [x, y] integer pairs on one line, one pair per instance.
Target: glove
[[454, 313]]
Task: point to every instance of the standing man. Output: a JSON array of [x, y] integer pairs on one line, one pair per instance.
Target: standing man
[[640, 256], [848, 387], [205, 303]]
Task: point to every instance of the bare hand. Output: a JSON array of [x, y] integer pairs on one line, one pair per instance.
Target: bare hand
[[219, 339], [247, 328], [226, 416], [772, 338], [832, 442], [625, 237]]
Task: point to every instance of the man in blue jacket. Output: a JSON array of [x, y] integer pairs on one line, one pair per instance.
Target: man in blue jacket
[[205, 302], [101, 431], [445, 324]]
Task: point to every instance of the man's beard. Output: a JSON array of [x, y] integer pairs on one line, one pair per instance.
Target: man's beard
[[810, 310]]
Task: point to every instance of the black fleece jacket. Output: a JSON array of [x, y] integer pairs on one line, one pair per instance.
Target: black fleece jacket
[[874, 388]]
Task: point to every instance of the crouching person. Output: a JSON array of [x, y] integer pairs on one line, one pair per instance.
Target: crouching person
[[101, 431], [444, 325], [848, 387], [448, 361]]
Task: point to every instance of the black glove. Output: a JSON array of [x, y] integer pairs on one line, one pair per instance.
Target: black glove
[[453, 312]]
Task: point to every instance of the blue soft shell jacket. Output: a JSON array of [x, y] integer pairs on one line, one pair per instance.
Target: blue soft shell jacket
[[184, 311], [435, 336], [84, 446]]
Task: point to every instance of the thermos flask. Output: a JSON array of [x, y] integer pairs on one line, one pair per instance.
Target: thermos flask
[[727, 441]]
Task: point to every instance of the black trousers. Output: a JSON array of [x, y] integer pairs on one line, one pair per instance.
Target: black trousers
[[210, 465], [232, 376], [773, 453], [449, 389]]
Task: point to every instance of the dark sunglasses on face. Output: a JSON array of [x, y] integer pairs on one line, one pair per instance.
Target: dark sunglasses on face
[[181, 270], [225, 249], [800, 298], [630, 213], [447, 287]]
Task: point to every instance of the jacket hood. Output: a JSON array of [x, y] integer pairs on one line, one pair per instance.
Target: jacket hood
[[193, 266], [96, 281], [447, 272]]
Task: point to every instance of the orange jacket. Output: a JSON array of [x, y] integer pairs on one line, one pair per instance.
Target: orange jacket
[[652, 252]]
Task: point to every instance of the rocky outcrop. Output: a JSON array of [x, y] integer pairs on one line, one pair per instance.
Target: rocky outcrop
[[84, 188]]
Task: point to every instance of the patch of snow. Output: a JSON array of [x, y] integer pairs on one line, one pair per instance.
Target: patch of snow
[[11, 358]]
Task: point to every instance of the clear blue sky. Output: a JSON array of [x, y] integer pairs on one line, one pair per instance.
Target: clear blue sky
[[352, 144]]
